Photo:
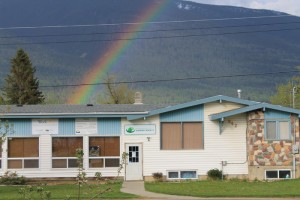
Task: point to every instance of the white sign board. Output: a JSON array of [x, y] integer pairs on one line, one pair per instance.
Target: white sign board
[[86, 126], [44, 126], [140, 129]]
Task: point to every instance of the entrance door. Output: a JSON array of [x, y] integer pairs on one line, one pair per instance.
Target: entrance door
[[134, 167]]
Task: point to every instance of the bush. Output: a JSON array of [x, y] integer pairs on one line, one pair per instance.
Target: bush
[[12, 178], [214, 174], [157, 176]]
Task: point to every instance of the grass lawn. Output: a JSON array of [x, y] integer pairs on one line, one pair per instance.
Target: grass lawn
[[284, 188], [61, 192]]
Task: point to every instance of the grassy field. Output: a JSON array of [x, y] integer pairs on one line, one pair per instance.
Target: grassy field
[[284, 188], [62, 191]]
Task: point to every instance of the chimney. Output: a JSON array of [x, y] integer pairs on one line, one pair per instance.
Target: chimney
[[239, 91], [138, 98]]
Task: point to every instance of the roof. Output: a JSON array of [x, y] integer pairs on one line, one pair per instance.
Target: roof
[[131, 111], [251, 108], [70, 110], [193, 103]]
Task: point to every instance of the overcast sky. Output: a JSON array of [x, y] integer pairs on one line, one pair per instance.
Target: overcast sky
[[287, 6]]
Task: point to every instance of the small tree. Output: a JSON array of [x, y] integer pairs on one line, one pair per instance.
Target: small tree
[[284, 95], [81, 176], [116, 93], [21, 87]]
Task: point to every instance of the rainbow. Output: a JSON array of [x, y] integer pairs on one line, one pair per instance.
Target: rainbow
[[113, 53]]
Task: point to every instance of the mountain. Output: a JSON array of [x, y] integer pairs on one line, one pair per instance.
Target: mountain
[[214, 47]]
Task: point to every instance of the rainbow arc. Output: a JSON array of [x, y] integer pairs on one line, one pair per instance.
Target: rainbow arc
[[113, 53]]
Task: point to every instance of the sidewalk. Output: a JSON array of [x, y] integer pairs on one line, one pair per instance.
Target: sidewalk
[[137, 188]]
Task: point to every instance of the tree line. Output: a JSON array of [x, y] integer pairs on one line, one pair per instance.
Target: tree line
[[22, 87]]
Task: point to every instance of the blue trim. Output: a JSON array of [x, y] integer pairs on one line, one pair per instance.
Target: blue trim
[[274, 114], [251, 108], [66, 126], [109, 126], [219, 98], [20, 127], [195, 113]]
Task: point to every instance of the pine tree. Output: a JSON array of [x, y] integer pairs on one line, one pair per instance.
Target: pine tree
[[21, 87]]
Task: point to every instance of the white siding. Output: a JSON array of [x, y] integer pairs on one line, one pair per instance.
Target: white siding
[[45, 143], [4, 157], [230, 146]]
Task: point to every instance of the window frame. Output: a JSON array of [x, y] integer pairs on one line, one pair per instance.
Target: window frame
[[179, 172], [22, 159], [182, 135], [103, 158], [64, 157], [278, 170], [277, 128]]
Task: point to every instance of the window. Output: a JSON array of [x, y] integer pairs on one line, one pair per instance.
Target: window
[[278, 174], [277, 130], [23, 153], [185, 135], [184, 174], [104, 152], [64, 151]]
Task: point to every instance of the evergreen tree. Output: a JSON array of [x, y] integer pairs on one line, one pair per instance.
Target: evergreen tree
[[21, 87]]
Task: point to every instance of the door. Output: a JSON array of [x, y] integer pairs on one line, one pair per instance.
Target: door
[[134, 167]]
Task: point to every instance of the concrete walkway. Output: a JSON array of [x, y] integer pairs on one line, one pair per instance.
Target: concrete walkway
[[137, 188]]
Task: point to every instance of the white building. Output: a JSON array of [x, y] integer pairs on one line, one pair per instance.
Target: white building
[[244, 138]]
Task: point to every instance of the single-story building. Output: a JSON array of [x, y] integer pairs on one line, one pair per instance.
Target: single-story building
[[244, 138]]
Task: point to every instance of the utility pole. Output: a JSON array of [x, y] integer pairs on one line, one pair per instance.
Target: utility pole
[[294, 157], [294, 92]]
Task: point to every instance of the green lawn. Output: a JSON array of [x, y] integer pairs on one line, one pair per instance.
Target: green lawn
[[284, 188], [61, 192]]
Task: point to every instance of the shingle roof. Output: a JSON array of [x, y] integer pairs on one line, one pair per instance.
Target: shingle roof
[[73, 109]]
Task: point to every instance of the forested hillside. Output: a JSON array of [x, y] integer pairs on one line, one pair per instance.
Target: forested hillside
[[208, 48]]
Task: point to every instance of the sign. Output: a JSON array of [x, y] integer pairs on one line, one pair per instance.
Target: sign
[[141, 129], [44, 126], [86, 126]]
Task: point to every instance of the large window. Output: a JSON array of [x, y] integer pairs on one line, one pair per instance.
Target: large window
[[23, 153], [277, 130], [64, 151], [104, 152], [185, 135]]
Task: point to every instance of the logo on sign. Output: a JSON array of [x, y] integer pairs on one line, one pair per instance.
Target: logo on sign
[[140, 129], [130, 130]]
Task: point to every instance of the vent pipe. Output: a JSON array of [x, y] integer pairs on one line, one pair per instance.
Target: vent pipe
[[138, 99], [239, 91]]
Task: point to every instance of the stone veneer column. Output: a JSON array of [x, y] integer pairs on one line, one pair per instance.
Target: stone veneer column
[[269, 152]]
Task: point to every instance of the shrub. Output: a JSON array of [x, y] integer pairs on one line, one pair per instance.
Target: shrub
[[12, 178], [214, 174], [157, 176]]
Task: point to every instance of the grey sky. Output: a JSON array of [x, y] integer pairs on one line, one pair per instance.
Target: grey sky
[[287, 6]]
